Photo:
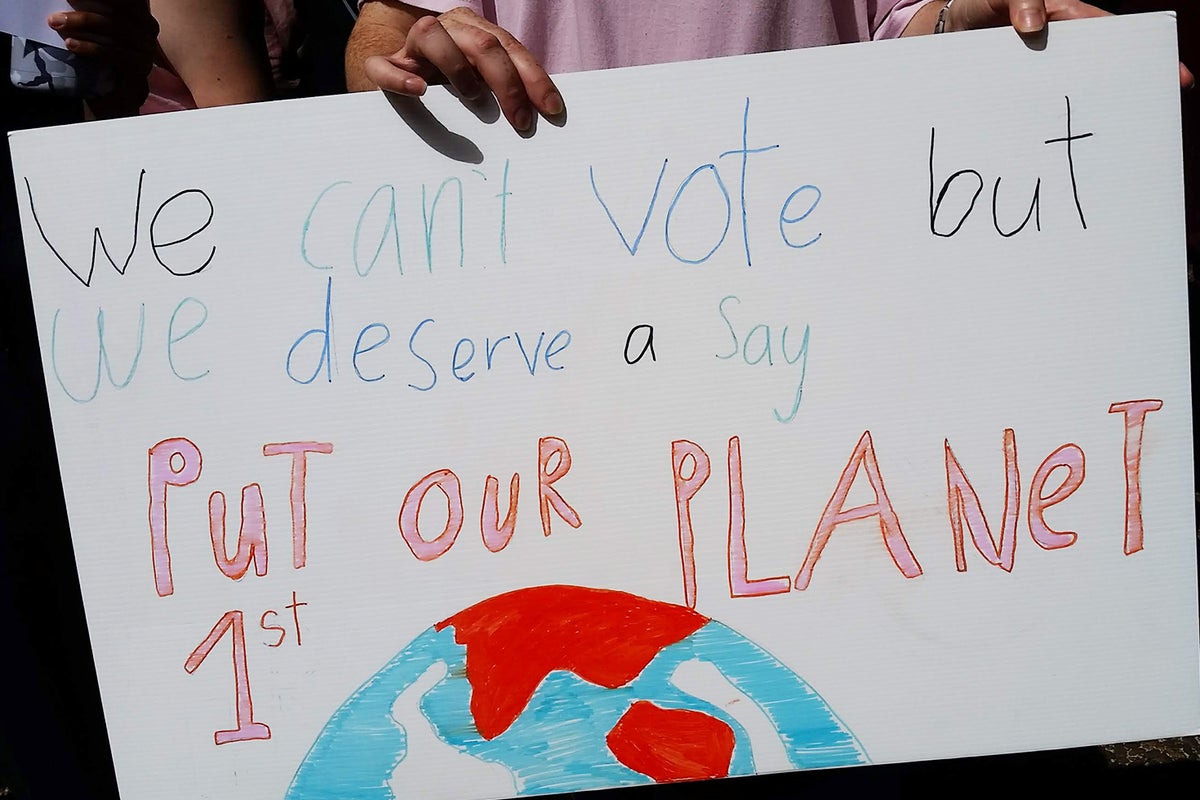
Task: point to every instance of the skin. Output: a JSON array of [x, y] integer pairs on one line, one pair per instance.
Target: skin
[[217, 49], [215, 46], [121, 34], [402, 49], [459, 48], [1027, 17]]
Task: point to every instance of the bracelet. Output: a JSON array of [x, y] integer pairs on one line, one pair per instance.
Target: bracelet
[[940, 27]]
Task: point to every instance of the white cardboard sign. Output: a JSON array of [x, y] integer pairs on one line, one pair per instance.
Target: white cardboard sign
[[788, 411]]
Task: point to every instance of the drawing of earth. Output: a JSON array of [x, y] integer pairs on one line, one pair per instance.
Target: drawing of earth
[[563, 688]]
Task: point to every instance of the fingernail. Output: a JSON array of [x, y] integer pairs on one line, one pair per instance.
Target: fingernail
[[554, 104], [56, 21], [523, 120], [1029, 21], [414, 86]]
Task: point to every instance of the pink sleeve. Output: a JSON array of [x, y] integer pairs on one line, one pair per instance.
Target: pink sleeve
[[895, 20], [442, 6]]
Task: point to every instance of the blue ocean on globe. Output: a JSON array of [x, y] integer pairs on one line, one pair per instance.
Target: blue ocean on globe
[[417, 708]]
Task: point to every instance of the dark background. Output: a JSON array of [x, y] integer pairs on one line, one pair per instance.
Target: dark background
[[53, 742]]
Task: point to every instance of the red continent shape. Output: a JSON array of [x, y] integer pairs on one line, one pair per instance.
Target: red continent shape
[[515, 640], [672, 744]]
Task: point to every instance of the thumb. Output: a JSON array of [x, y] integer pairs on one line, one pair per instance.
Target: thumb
[[1028, 17]]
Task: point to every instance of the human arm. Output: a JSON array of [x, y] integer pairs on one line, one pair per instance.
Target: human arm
[[1028, 17], [119, 34], [401, 48], [216, 48]]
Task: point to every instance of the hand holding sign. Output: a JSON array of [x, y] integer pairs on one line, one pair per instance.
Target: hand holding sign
[[120, 34], [903, 420], [473, 55], [1028, 18]]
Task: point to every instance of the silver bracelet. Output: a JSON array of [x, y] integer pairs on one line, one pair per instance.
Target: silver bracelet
[[940, 27]]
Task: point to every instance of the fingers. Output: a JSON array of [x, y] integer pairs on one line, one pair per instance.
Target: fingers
[[98, 35], [389, 75], [500, 74], [121, 34], [471, 58], [429, 41], [539, 88], [1028, 17], [124, 8], [75, 23], [474, 56], [128, 18]]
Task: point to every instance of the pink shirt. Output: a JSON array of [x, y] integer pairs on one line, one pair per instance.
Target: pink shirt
[[574, 35]]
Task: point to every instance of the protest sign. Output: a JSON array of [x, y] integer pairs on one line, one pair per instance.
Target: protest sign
[[795, 410]]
